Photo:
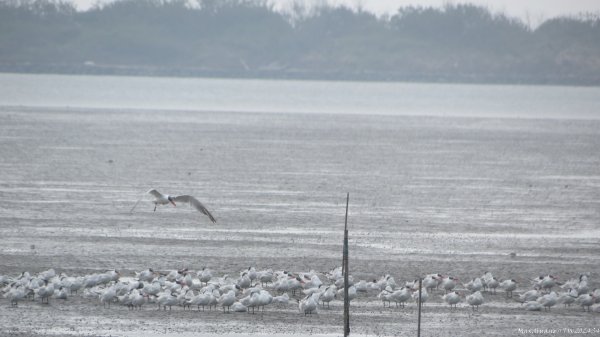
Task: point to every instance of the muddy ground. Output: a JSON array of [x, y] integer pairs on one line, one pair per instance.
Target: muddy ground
[[458, 196]]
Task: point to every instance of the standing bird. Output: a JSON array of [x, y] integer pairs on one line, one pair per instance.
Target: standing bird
[[328, 295], [308, 304], [386, 296], [227, 300], [44, 292], [424, 295], [586, 300], [15, 294], [475, 300], [548, 300], [474, 285], [449, 283], [568, 297], [204, 275], [452, 298], [509, 286], [528, 296], [161, 199], [401, 295]]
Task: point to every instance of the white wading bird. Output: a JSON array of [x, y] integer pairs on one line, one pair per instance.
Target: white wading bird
[[161, 199]]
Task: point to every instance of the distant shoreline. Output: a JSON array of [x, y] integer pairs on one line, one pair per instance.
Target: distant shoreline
[[291, 74]]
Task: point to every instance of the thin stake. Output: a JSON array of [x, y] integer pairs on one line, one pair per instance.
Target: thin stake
[[346, 272], [347, 202], [345, 253], [419, 320]]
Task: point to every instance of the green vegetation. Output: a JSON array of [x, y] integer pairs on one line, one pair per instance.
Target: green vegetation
[[237, 38]]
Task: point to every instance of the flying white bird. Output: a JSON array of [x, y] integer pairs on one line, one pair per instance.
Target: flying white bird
[[162, 199]]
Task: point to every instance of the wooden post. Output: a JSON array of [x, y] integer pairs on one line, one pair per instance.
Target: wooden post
[[345, 271], [419, 319]]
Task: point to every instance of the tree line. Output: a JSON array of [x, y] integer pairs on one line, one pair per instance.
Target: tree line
[[244, 38]]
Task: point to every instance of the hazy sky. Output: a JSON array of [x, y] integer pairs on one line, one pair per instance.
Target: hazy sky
[[535, 10]]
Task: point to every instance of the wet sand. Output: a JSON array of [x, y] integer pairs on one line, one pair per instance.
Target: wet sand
[[428, 195]]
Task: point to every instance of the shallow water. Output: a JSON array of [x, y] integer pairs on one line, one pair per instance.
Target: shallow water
[[441, 186], [289, 96]]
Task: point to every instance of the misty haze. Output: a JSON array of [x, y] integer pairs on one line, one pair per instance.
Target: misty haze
[[457, 43], [184, 168]]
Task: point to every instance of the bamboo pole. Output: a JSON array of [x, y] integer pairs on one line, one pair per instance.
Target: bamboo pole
[[345, 271], [419, 319]]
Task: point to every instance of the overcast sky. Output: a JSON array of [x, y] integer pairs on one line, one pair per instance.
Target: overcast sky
[[534, 10]]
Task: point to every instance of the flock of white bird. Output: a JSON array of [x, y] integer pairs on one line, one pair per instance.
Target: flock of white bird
[[253, 290]]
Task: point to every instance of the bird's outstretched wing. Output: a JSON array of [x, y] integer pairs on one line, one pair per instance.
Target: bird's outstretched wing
[[195, 203], [154, 192]]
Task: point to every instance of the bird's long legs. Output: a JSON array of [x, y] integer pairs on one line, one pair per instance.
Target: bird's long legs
[[154, 207]]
